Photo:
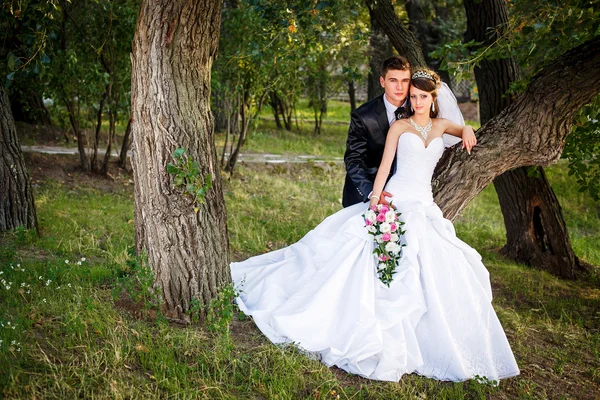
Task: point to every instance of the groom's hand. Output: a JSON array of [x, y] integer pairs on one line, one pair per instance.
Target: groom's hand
[[383, 199]]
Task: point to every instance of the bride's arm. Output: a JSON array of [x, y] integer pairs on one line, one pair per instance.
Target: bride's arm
[[462, 131], [389, 152]]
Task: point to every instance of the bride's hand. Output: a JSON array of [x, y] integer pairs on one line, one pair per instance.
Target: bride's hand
[[374, 201], [381, 199], [468, 138]]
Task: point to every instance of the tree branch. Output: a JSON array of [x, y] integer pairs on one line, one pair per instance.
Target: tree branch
[[403, 40], [531, 131]]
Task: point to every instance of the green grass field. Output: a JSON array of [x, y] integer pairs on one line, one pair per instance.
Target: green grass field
[[69, 330]]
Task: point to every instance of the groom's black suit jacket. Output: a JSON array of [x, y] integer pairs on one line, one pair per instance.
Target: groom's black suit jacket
[[369, 126]]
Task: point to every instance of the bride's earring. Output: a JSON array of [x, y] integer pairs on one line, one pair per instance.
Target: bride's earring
[[411, 108], [432, 107]]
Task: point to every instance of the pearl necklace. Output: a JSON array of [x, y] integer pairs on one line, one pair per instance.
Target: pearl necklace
[[423, 130]]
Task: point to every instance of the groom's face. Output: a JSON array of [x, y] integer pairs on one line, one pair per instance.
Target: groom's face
[[396, 84]]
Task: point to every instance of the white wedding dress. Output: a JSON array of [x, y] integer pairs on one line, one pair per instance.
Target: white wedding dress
[[436, 318]]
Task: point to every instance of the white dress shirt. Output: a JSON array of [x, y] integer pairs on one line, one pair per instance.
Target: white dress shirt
[[391, 109]]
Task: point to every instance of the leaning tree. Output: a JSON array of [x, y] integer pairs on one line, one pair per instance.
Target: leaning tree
[[186, 241], [536, 232], [407, 44]]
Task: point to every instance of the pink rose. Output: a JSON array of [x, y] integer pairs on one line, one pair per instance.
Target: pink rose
[[373, 208], [393, 227], [384, 209], [369, 223], [381, 217], [386, 237], [383, 258]]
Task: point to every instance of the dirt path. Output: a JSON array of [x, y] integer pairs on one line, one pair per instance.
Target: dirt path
[[243, 157]]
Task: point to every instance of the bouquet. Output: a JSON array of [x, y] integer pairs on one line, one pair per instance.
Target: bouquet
[[382, 222]]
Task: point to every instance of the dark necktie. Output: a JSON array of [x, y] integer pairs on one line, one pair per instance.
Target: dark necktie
[[399, 112]]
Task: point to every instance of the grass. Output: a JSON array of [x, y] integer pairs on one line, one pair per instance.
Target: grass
[[76, 332]]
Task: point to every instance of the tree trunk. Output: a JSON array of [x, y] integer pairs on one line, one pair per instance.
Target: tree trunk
[[428, 32], [94, 158], [73, 110], [275, 107], [174, 46], [352, 95], [538, 233], [531, 131], [403, 40], [16, 196], [125, 145], [380, 48], [112, 116], [535, 229], [286, 113]]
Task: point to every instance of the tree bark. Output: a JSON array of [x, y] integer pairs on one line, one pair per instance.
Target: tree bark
[[403, 40], [531, 131], [174, 46], [380, 48], [428, 32], [536, 232], [532, 214], [16, 196]]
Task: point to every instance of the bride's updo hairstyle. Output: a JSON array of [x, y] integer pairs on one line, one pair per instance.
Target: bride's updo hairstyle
[[428, 81]]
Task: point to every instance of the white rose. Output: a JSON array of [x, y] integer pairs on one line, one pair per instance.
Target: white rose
[[390, 216], [394, 238], [378, 239], [370, 216], [392, 247], [371, 229], [385, 227]]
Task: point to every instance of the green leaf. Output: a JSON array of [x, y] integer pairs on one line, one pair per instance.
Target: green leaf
[[178, 152], [172, 169]]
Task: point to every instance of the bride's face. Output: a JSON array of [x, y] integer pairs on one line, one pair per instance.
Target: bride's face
[[420, 100]]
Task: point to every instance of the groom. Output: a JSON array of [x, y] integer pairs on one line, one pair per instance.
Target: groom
[[369, 125]]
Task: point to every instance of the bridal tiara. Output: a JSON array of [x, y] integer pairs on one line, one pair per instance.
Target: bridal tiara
[[422, 74]]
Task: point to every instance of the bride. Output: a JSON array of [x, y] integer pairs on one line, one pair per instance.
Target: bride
[[435, 319]]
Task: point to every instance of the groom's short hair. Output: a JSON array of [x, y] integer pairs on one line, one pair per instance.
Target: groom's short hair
[[395, 62]]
